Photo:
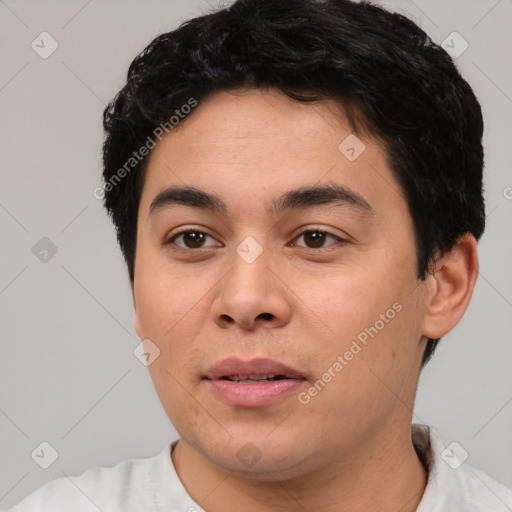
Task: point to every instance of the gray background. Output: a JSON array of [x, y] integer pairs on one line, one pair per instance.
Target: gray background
[[68, 375]]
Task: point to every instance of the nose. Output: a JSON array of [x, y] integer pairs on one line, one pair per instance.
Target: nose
[[252, 295]]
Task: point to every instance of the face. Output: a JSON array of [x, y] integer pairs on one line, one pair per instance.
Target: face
[[282, 294]]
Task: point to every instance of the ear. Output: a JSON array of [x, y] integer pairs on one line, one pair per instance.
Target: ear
[[136, 320], [450, 287]]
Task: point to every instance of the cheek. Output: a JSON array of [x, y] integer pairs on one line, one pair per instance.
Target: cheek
[[172, 322], [374, 325], [349, 303], [168, 304], [173, 309]]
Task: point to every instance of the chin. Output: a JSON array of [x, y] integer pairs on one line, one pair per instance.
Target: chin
[[265, 470], [260, 459]]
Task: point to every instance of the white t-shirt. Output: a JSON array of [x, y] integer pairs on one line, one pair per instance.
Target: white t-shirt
[[152, 485]]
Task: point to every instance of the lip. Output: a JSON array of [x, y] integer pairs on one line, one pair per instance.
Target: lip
[[252, 394]]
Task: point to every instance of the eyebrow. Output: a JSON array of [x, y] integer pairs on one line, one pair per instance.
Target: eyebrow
[[187, 196], [317, 195], [292, 200]]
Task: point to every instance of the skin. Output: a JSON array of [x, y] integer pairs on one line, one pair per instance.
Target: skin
[[299, 303]]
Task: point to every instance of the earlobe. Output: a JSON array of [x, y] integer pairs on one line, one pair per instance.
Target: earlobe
[[451, 286]]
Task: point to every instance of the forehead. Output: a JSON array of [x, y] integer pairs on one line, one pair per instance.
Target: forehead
[[248, 120], [249, 146]]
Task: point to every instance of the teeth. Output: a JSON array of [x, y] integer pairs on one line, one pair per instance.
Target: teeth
[[251, 378]]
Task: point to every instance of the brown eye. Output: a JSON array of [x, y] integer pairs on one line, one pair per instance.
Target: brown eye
[[191, 239], [315, 239]]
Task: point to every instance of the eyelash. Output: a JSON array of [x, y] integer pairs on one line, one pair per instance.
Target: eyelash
[[171, 241]]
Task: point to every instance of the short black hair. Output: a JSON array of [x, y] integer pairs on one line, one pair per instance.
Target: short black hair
[[394, 81]]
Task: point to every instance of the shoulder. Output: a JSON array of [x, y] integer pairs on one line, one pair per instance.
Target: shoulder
[[454, 485], [467, 486], [127, 486], [485, 492]]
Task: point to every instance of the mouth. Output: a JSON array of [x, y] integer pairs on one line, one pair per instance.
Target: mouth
[[251, 379], [255, 370], [254, 383]]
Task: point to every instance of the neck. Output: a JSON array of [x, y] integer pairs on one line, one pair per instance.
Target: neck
[[386, 475]]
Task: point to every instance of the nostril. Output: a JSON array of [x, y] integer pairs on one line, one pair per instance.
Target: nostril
[[266, 316], [228, 319]]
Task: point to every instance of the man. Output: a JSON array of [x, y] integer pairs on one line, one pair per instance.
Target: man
[[297, 192]]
